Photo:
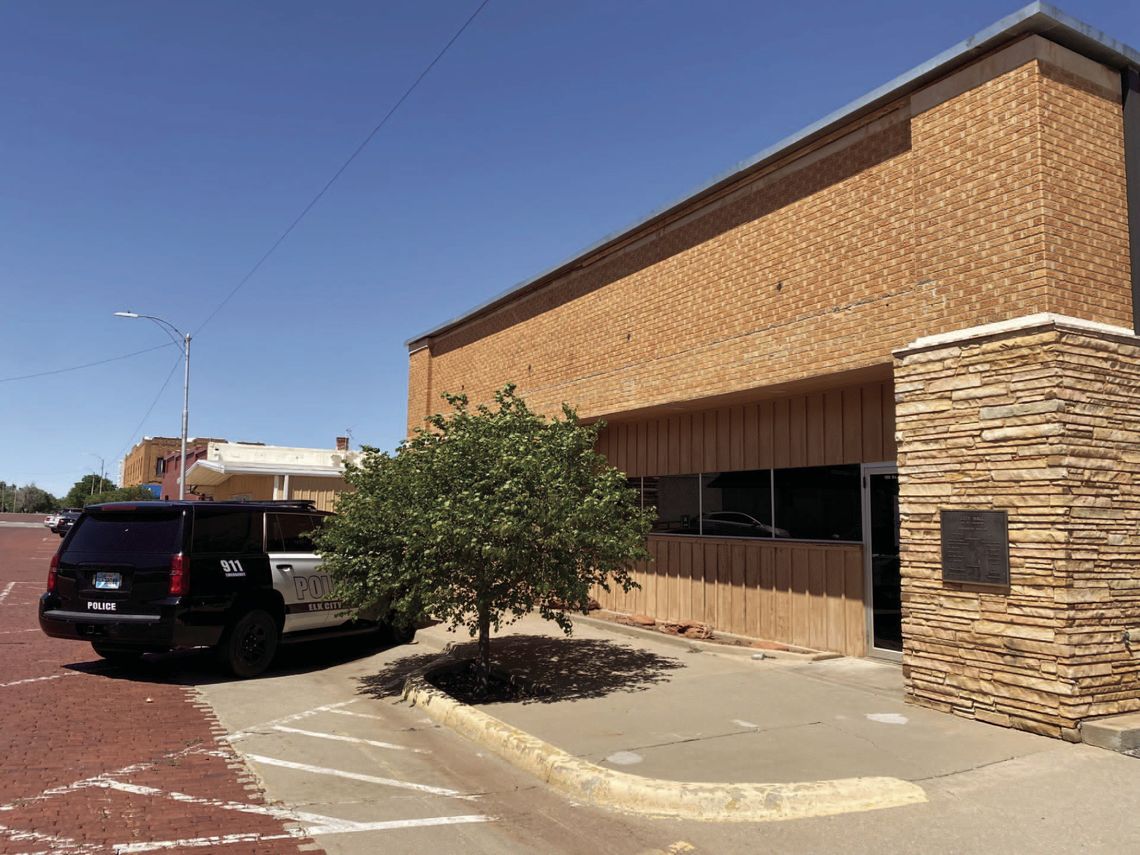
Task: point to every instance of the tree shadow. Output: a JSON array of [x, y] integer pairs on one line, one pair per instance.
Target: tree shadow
[[557, 669]]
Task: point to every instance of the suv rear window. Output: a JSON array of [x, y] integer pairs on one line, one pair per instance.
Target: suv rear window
[[152, 533]]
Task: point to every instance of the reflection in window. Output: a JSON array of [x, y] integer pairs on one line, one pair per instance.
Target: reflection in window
[[819, 502], [738, 504], [678, 502], [809, 503]]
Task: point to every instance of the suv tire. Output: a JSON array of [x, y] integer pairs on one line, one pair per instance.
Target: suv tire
[[250, 643]]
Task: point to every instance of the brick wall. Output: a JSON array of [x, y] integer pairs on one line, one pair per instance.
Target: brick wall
[[1039, 422], [994, 193]]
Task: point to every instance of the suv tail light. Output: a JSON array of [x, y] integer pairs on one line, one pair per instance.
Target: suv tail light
[[53, 568], [179, 576]]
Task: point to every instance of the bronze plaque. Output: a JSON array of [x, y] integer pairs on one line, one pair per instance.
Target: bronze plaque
[[975, 547]]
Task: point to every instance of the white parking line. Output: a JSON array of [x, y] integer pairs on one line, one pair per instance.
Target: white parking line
[[359, 714], [259, 728], [222, 840], [356, 776], [33, 680], [7, 590], [58, 844], [358, 740], [282, 813], [14, 631]]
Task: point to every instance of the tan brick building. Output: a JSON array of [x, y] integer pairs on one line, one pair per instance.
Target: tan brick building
[[799, 367], [143, 463]]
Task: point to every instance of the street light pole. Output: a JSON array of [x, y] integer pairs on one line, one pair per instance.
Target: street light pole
[[183, 341]]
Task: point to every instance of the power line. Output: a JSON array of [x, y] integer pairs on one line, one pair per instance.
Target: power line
[[343, 167], [85, 365], [150, 409]]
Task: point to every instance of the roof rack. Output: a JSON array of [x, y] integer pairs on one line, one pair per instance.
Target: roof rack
[[305, 504]]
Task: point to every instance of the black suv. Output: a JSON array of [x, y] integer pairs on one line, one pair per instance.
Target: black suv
[[237, 576]]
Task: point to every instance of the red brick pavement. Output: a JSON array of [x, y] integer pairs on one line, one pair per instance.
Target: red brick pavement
[[126, 731]]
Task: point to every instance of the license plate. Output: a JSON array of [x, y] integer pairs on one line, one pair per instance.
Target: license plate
[[108, 581]]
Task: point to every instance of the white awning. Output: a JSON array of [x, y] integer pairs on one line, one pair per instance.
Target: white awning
[[210, 473]]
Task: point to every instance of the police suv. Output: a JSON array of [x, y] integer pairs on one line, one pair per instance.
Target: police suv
[[237, 576]]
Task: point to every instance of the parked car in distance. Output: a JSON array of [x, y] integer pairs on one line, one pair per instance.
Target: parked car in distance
[[240, 577], [738, 524], [65, 520], [51, 519]]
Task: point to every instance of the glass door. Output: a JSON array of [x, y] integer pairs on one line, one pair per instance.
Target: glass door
[[881, 559]]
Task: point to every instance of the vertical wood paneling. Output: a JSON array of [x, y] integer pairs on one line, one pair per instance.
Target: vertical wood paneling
[[797, 593], [765, 410], [781, 443], [752, 593], [673, 466], [649, 464], [662, 446], [852, 425], [872, 423], [710, 565], [853, 584], [708, 460], [685, 460], [815, 431], [685, 580], [817, 593], [723, 440], [836, 591], [641, 446], [890, 448], [833, 427], [736, 439], [797, 431], [751, 437]]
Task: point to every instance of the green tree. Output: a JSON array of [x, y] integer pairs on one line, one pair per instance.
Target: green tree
[[485, 516], [86, 487], [33, 500], [136, 493]]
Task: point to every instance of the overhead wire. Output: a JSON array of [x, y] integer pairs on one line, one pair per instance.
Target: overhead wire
[[84, 365], [150, 409], [364, 144]]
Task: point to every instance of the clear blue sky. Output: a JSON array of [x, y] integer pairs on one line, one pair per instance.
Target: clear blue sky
[[152, 151]]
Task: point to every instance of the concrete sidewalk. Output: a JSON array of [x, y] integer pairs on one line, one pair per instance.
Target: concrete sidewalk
[[658, 709]]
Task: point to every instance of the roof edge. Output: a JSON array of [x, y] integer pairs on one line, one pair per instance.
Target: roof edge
[[1037, 18]]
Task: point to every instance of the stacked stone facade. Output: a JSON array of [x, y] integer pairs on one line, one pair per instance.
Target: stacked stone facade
[[1041, 421]]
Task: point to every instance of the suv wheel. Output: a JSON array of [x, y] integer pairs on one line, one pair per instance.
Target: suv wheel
[[250, 644], [117, 655]]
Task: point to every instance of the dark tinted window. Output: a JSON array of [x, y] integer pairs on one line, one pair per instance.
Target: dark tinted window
[[678, 502], [290, 532], [136, 532], [220, 530], [819, 503], [738, 504]]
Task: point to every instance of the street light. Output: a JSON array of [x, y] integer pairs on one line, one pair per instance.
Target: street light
[[183, 341]]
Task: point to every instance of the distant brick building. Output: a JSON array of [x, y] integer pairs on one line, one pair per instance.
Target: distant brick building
[[143, 463], [921, 304]]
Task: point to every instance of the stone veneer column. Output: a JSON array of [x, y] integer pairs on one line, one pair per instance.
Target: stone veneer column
[[1039, 417]]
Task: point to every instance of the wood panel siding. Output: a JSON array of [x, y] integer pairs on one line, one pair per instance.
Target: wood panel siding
[[795, 592], [855, 424], [808, 594]]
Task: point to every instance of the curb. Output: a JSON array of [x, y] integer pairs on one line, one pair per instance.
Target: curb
[[706, 802], [696, 645]]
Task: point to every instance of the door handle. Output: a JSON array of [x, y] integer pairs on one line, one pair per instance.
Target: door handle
[[284, 566]]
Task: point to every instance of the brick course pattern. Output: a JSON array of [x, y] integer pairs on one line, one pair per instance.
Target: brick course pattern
[[994, 193], [1040, 423]]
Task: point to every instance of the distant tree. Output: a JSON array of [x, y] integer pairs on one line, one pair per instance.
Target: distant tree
[[30, 499], [484, 517], [86, 487], [135, 493]]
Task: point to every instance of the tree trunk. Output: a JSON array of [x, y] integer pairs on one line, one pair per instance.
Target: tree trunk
[[484, 650]]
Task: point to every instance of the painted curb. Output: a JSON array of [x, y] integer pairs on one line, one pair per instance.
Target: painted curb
[[708, 802]]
